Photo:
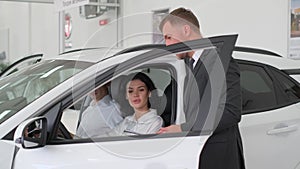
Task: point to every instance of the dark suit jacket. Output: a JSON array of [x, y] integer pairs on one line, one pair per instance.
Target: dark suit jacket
[[214, 92]]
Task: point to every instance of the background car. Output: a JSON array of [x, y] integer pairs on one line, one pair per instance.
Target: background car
[[271, 106], [46, 96], [19, 64]]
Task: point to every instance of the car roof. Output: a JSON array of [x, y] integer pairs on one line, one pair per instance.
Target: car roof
[[274, 60], [94, 55], [242, 53]]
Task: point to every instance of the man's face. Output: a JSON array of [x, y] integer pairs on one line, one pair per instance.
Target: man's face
[[174, 34], [99, 93]]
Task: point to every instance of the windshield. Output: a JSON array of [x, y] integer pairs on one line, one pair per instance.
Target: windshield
[[25, 86]]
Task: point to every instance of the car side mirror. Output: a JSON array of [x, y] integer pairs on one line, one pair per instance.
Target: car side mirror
[[32, 133]]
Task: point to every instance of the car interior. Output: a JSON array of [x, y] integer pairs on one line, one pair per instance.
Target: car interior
[[161, 98]]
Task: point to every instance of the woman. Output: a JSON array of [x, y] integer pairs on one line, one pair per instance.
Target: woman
[[144, 120]]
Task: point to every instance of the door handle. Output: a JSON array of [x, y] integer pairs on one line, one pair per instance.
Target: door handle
[[283, 129]]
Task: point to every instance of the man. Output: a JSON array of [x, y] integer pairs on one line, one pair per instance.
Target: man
[[223, 150], [101, 116]]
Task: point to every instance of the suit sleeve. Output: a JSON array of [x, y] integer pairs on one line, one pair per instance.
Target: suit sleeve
[[232, 106]]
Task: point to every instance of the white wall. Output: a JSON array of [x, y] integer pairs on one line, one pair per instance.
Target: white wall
[[262, 24], [14, 17], [33, 28], [88, 33], [44, 29]]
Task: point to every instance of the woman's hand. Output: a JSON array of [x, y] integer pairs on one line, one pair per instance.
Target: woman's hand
[[170, 129]]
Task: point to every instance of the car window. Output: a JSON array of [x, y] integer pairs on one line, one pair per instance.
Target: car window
[[290, 88], [81, 125], [257, 88], [23, 87], [164, 60]]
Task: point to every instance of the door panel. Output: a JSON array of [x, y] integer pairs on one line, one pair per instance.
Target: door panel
[[7, 148], [272, 135], [178, 152]]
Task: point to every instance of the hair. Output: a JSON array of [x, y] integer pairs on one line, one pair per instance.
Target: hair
[[181, 16], [145, 79]]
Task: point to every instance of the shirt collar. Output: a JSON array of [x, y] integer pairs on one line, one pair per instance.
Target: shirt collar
[[144, 118], [196, 56], [104, 101]]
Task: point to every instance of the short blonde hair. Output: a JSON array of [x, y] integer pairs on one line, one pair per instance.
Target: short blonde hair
[[181, 16]]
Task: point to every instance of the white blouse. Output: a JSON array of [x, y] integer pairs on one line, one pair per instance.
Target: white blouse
[[149, 123]]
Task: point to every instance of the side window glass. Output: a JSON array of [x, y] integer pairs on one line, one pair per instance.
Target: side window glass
[[69, 123], [257, 89], [290, 88], [110, 109]]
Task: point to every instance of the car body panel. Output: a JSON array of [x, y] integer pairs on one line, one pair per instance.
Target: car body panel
[[155, 153], [296, 77], [278, 62], [7, 148], [264, 142]]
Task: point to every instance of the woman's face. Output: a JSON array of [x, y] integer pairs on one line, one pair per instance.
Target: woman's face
[[137, 94]]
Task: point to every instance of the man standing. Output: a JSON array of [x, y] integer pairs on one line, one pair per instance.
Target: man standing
[[223, 150]]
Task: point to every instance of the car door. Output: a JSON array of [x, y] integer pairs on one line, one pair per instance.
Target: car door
[[174, 150], [270, 120]]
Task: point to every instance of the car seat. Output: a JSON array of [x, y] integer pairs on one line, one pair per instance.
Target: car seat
[[118, 93]]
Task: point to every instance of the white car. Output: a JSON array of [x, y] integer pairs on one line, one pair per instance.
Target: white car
[[41, 106], [271, 109]]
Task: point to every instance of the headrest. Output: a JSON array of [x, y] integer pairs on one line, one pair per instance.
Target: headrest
[[118, 93]]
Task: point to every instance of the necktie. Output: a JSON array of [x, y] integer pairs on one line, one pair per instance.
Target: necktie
[[191, 63]]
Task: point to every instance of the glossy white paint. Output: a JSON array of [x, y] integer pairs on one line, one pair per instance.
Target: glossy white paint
[[7, 147], [269, 138], [296, 77], [278, 62], [173, 153]]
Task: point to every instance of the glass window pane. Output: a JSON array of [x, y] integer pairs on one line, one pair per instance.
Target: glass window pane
[[105, 110], [23, 87], [290, 88], [257, 88]]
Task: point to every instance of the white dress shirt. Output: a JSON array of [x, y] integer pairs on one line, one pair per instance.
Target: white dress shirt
[[149, 123], [196, 56], [99, 118]]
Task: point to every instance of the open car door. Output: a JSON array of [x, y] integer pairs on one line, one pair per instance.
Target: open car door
[[170, 150]]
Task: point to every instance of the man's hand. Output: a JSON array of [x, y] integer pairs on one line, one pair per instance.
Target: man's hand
[[170, 129]]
